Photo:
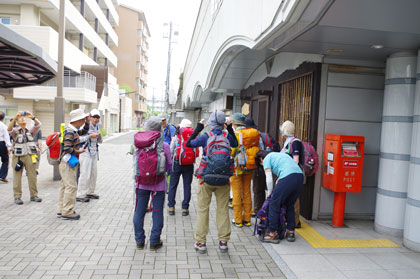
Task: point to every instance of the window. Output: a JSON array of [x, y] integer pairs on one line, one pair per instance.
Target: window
[[138, 81], [139, 48], [10, 112], [139, 32], [5, 20], [138, 65]]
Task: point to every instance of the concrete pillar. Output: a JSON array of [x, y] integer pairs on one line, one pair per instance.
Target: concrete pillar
[[412, 211], [395, 143]]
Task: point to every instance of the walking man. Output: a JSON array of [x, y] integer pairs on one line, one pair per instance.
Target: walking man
[[89, 159], [24, 155], [4, 149], [69, 163]]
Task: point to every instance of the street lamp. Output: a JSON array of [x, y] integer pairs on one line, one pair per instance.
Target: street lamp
[[168, 69]]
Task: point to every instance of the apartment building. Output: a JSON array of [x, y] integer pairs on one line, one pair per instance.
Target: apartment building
[[88, 59], [132, 53]]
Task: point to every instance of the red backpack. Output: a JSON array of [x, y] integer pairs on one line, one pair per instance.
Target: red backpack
[[149, 150], [54, 148], [185, 155]]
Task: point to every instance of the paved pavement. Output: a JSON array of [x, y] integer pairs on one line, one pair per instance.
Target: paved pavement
[[35, 244]]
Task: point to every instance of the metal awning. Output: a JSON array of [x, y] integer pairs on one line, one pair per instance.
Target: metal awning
[[23, 63]]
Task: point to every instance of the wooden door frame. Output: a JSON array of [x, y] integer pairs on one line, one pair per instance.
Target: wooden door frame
[[267, 113]]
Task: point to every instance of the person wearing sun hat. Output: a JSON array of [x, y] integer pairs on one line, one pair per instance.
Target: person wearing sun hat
[[69, 162], [88, 160]]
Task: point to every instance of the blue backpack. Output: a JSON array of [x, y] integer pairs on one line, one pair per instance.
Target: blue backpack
[[216, 167]]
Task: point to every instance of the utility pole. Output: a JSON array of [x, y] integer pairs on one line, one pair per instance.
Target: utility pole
[[168, 69], [59, 99]]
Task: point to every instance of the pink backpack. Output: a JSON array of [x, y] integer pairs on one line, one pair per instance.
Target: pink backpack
[[310, 167], [150, 149]]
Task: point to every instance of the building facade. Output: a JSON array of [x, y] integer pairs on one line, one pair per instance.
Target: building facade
[[89, 36], [332, 67], [132, 53]]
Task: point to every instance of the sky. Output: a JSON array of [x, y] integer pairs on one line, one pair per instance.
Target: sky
[[183, 14]]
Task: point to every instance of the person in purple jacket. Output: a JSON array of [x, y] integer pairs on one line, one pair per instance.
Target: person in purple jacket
[[156, 192]]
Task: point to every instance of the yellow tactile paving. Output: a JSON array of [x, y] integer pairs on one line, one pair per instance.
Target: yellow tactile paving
[[317, 240]]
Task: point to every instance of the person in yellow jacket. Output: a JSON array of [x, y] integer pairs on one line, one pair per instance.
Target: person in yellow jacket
[[249, 144]]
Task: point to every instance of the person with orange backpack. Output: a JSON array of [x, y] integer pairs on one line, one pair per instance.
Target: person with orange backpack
[[183, 159], [249, 143]]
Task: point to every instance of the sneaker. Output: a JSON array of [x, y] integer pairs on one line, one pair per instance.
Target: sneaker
[[290, 236], [271, 237], [18, 201], [155, 245], [200, 247], [59, 214], [93, 196], [140, 245], [238, 225], [223, 247], [185, 212], [253, 214], [171, 211], [230, 205], [298, 225], [246, 223], [36, 199], [4, 180], [83, 199], [72, 216]]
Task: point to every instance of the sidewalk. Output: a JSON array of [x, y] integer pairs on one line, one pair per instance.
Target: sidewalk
[[35, 244]]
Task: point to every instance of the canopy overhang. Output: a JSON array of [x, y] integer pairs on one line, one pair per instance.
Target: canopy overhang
[[23, 63]]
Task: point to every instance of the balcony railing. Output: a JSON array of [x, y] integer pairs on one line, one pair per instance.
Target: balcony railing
[[71, 79]]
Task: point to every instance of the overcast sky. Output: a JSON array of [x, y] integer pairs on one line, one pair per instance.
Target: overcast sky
[[183, 14]]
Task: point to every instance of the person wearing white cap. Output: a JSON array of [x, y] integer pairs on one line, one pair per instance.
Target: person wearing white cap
[[69, 162], [88, 160]]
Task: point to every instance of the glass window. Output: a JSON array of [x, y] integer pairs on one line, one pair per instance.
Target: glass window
[[139, 32], [138, 65], [5, 20], [139, 48]]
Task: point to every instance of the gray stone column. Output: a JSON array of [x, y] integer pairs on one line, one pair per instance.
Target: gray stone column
[[395, 143]]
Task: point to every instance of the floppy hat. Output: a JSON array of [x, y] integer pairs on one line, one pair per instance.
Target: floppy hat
[[77, 114], [95, 112], [238, 119], [288, 128]]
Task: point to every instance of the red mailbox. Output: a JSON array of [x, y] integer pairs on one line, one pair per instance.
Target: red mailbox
[[342, 170]]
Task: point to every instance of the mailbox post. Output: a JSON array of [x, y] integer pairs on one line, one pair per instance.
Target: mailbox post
[[342, 170]]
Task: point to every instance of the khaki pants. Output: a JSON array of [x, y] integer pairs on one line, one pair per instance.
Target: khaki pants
[[204, 196], [297, 211], [88, 174], [241, 191], [68, 189], [17, 176]]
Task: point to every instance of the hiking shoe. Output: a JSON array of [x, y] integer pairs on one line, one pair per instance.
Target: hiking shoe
[[298, 225], [171, 211], [230, 205], [290, 236], [18, 201], [155, 245], [246, 223], [200, 247], [83, 199], [59, 214], [93, 196], [271, 237], [223, 247], [4, 180], [72, 216], [185, 212], [140, 245], [238, 225], [253, 214], [36, 199]]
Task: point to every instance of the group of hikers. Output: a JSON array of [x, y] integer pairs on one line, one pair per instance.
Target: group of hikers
[[77, 157], [233, 153]]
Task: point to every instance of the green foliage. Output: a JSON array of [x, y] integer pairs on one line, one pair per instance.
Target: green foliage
[[103, 132], [126, 87]]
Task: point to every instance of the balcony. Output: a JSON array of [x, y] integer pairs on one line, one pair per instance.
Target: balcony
[[78, 88]]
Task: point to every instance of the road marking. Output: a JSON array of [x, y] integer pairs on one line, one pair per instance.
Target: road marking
[[317, 240]]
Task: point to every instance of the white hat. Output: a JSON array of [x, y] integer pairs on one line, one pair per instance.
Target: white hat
[[76, 115], [95, 112], [287, 128], [185, 123]]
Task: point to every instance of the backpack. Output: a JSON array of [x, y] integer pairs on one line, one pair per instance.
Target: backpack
[[311, 162], [53, 149], [216, 167], [167, 131], [185, 155], [150, 159], [270, 144], [249, 139], [262, 221]]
